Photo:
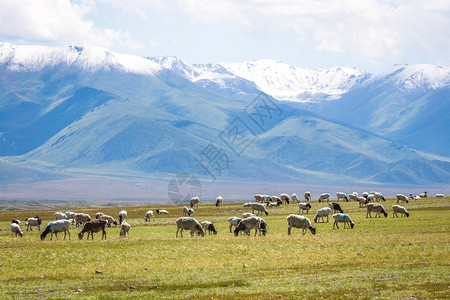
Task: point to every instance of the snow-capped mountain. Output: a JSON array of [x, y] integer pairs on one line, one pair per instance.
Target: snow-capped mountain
[[88, 110], [292, 83], [86, 58], [280, 80]]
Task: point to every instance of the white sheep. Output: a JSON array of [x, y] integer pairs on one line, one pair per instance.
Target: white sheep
[[81, 218], [219, 201], [417, 197], [189, 224], [194, 201], [304, 206], [124, 229], [276, 199], [324, 197], [70, 214], [362, 201], [379, 196], [274, 204], [377, 208], [399, 209], [285, 198], [248, 224], [149, 215], [353, 196], [341, 195], [233, 221], [424, 195], [307, 196], [323, 212], [122, 216], [248, 215], [30, 222], [187, 211], [56, 226], [98, 215], [302, 222], [342, 218], [402, 198], [260, 208], [294, 198], [439, 195], [371, 198], [162, 212], [15, 229], [109, 219], [365, 195], [209, 226], [60, 216]]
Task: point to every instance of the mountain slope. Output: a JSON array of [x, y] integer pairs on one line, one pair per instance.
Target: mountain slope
[[407, 104]]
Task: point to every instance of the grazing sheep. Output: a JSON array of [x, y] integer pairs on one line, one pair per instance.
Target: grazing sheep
[[248, 204], [440, 195], [194, 201], [30, 222], [371, 198], [362, 201], [424, 195], [304, 206], [379, 196], [15, 229], [81, 218], [187, 211], [247, 224], [90, 227], [122, 216], [353, 196], [336, 207], [399, 209], [294, 198], [342, 196], [342, 218], [233, 222], [307, 196], [323, 212], [124, 229], [149, 215], [377, 208], [259, 198], [98, 215], [109, 219], [324, 197], [260, 208], [302, 222], [285, 198], [276, 199], [162, 212], [209, 226], [189, 224], [365, 195], [15, 221], [56, 226], [402, 198], [274, 204], [70, 214], [219, 201], [248, 215], [263, 227], [60, 216], [417, 197]]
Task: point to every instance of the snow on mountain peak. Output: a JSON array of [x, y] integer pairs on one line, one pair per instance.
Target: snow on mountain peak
[[292, 83], [89, 58]]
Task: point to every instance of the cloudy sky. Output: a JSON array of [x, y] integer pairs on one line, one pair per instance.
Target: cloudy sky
[[368, 34]]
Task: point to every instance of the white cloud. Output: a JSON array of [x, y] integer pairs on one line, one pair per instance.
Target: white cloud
[[370, 29], [54, 22]]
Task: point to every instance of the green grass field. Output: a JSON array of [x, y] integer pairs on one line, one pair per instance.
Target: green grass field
[[378, 258]]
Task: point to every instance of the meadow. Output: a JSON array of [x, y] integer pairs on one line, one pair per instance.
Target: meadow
[[378, 258]]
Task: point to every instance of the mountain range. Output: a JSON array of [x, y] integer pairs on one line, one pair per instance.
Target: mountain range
[[90, 111]]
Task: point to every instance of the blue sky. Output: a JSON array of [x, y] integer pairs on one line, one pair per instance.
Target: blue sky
[[367, 34]]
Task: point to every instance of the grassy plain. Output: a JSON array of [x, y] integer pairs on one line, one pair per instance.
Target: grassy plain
[[379, 258]]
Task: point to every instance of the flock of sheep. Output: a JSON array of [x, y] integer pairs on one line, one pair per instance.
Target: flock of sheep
[[248, 221]]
